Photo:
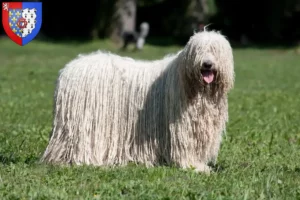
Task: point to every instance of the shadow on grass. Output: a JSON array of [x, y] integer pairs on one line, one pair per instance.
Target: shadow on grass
[[154, 41], [7, 159], [217, 168], [64, 41], [163, 42], [169, 41], [12, 158], [262, 46]]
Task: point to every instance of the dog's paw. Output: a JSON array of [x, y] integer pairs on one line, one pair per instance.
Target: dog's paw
[[203, 168], [199, 167]]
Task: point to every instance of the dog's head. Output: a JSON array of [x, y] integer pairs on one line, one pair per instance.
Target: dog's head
[[208, 61]]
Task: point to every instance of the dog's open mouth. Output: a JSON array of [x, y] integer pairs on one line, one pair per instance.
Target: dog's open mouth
[[208, 76]]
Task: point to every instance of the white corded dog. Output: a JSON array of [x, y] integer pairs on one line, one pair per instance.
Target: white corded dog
[[111, 110]]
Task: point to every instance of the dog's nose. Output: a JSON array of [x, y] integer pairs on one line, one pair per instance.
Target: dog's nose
[[207, 64]]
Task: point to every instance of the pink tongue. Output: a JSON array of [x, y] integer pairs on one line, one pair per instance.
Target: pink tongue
[[208, 76]]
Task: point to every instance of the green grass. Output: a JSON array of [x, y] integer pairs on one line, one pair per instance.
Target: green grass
[[259, 157]]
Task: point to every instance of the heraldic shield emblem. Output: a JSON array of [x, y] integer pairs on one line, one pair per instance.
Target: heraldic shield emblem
[[22, 21]]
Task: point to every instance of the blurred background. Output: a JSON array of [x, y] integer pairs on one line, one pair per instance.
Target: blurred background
[[247, 22]]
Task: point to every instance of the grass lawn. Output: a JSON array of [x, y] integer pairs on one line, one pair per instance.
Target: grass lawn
[[259, 157]]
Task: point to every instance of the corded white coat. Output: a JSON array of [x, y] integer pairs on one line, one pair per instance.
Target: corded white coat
[[110, 110]]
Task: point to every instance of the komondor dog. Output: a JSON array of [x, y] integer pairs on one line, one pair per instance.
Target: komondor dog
[[111, 110]]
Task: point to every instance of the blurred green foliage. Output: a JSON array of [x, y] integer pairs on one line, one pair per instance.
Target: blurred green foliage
[[262, 21]]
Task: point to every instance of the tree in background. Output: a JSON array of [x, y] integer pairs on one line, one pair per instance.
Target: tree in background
[[102, 22], [173, 18], [124, 18], [260, 21]]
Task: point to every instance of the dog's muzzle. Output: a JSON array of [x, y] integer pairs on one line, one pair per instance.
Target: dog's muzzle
[[208, 71]]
